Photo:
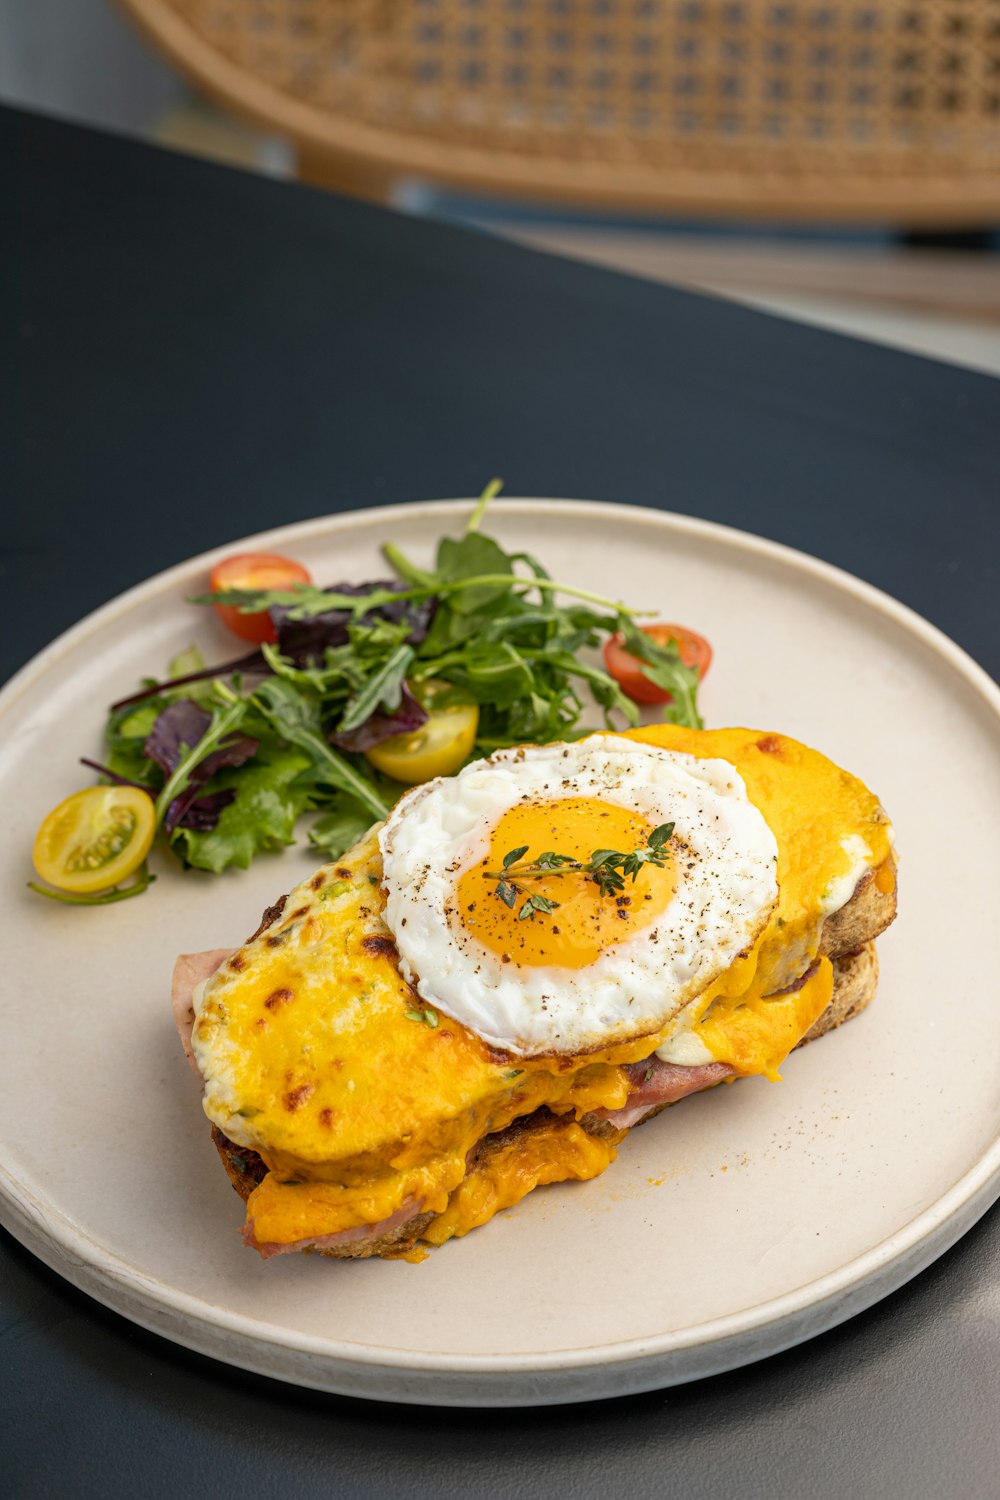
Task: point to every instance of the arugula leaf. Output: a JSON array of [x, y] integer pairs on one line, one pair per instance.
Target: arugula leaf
[[494, 674], [384, 689], [306, 602], [379, 726], [407, 570], [296, 717], [369, 639], [663, 666], [382, 615], [338, 675], [604, 688], [530, 561], [450, 632], [302, 602]]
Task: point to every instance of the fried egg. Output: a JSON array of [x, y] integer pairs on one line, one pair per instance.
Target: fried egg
[[597, 969]]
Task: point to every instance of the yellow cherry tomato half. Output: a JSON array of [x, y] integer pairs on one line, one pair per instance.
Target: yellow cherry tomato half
[[95, 838], [437, 748]]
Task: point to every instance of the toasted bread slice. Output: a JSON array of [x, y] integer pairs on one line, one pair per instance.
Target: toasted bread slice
[[855, 978], [868, 913]]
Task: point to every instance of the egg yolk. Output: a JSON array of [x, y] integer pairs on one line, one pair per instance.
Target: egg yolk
[[584, 921]]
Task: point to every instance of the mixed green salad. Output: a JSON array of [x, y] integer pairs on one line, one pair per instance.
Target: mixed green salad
[[350, 694]]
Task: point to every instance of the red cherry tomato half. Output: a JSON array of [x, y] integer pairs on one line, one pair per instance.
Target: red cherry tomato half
[[254, 570], [627, 671]]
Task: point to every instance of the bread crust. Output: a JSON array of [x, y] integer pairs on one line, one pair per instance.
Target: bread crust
[[391, 1246], [855, 979], [868, 913]]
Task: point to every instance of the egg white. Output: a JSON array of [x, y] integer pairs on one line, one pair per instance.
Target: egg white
[[726, 890]]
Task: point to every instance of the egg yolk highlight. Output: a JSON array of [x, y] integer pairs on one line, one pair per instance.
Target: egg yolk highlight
[[585, 922]]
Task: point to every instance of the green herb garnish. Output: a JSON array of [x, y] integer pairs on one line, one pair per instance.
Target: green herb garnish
[[607, 868], [428, 1017]]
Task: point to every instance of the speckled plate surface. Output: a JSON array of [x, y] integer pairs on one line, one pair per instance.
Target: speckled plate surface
[[737, 1224]]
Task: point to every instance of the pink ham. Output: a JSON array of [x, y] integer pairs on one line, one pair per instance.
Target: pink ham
[[269, 1248], [189, 971], [655, 1082]]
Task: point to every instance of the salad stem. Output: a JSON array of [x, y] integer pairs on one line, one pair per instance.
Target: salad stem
[[142, 881], [304, 602], [489, 493]]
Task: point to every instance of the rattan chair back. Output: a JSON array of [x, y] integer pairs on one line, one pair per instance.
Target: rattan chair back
[[833, 109]]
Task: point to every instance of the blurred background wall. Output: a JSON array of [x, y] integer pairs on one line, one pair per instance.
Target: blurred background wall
[[82, 59], [291, 87]]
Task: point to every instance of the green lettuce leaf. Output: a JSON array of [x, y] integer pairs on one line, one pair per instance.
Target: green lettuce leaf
[[340, 828], [272, 791]]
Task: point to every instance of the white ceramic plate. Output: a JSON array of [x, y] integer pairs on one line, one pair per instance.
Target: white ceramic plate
[[737, 1224]]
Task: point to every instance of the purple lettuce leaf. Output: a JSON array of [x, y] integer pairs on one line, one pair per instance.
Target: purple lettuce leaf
[[178, 729], [304, 641], [180, 726], [381, 726], [201, 813], [190, 810]]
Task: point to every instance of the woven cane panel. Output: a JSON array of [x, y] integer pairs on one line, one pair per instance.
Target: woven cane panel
[[791, 86]]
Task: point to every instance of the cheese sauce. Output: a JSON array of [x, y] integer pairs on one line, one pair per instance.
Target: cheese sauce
[[360, 1097]]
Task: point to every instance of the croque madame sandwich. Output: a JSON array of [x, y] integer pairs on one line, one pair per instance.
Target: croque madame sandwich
[[464, 1007]]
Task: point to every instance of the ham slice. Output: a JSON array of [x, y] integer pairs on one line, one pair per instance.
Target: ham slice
[[190, 970], [268, 1248], [655, 1083], [796, 984]]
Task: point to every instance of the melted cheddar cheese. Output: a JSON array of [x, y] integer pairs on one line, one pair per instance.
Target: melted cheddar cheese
[[830, 832], [360, 1099], [554, 1152]]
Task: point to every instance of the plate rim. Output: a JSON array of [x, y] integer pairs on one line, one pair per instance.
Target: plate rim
[[554, 1376]]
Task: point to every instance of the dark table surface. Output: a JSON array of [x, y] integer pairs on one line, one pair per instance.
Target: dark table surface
[[191, 354]]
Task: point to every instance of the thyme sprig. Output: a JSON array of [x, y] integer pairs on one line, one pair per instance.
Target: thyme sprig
[[607, 868]]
